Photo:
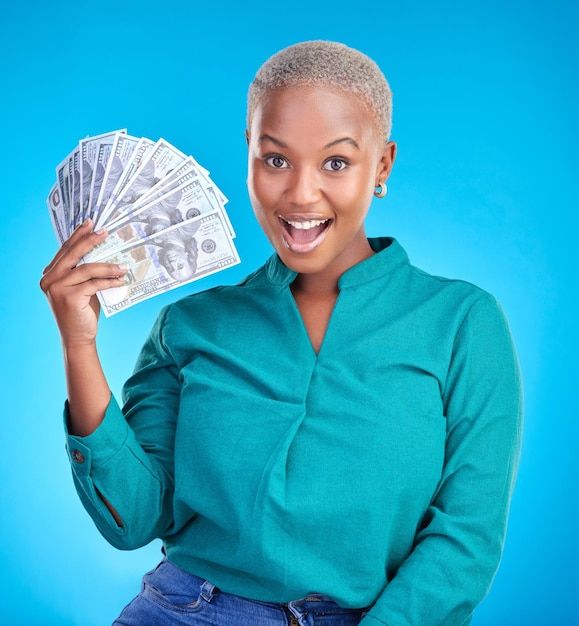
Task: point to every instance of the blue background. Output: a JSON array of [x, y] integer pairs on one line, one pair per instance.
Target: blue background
[[485, 118]]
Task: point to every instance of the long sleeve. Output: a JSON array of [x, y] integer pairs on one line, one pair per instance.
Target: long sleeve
[[458, 548], [129, 456]]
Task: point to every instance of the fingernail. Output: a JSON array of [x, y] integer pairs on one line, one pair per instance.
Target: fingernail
[[87, 221], [101, 231], [123, 268]]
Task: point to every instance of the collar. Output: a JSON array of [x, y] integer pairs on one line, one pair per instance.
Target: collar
[[389, 256]]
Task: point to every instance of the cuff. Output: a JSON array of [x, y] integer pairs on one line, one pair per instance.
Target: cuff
[[103, 443]]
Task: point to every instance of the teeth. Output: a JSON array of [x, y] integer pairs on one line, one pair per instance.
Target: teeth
[[305, 225]]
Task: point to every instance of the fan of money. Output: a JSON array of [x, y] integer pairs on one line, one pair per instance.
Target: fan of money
[[165, 218]]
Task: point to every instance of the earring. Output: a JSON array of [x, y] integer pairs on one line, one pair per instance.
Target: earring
[[383, 190]]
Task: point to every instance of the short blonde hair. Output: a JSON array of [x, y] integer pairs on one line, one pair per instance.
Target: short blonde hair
[[330, 64]]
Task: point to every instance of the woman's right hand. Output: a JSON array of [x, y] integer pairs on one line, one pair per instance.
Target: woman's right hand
[[71, 288]]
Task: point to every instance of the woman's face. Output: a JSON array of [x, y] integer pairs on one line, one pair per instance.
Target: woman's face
[[295, 173]]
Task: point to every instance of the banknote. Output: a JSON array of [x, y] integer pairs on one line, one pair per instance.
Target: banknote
[[98, 175], [119, 160], [89, 149], [140, 152], [187, 201], [55, 210], [186, 171], [70, 181], [174, 257], [63, 182], [214, 193], [74, 172], [159, 162]]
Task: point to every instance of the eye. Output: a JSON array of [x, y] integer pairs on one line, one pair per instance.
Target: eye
[[277, 159], [337, 160]]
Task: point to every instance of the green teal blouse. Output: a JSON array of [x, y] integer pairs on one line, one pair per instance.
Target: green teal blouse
[[379, 471]]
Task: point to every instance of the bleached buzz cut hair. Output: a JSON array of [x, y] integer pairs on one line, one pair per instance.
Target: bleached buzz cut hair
[[328, 64]]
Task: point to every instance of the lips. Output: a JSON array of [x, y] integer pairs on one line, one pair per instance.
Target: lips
[[304, 240]]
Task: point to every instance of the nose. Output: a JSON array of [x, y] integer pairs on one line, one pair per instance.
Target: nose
[[303, 187]]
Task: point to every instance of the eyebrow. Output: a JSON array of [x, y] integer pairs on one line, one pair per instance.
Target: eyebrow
[[328, 145]]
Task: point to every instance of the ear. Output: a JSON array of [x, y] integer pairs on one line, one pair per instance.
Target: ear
[[386, 162]]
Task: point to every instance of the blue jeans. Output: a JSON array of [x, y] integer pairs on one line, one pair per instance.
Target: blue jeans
[[170, 595]]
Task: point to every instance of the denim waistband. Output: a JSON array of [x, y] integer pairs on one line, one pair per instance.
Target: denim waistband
[[186, 577]]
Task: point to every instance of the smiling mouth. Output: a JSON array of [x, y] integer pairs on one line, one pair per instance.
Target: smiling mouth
[[304, 239]]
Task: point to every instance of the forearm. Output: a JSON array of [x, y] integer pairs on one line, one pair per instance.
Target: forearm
[[123, 465], [88, 390], [126, 489], [88, 396]]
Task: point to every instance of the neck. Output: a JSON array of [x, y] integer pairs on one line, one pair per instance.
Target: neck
[[325, 282]]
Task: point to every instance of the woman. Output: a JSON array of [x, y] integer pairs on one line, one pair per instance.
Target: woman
[[332, 440]]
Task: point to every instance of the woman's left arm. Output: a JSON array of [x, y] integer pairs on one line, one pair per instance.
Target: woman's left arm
[[457, 551]]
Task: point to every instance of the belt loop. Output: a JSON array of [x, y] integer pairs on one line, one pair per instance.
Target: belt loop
[[208, 590]]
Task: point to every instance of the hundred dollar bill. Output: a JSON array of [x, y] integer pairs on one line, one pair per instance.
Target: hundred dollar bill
[[140, 152], [56, 212], [177, 256], [190, 198], [98, 174], [175, 207], [74, 163], [186, 171], [88, 156], [215, 197], [63, 181], [120, 156], [223, 199], [205, 173], [160, 161], [70, 182]]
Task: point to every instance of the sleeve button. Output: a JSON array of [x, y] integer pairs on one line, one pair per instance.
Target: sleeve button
[[78, 456]]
